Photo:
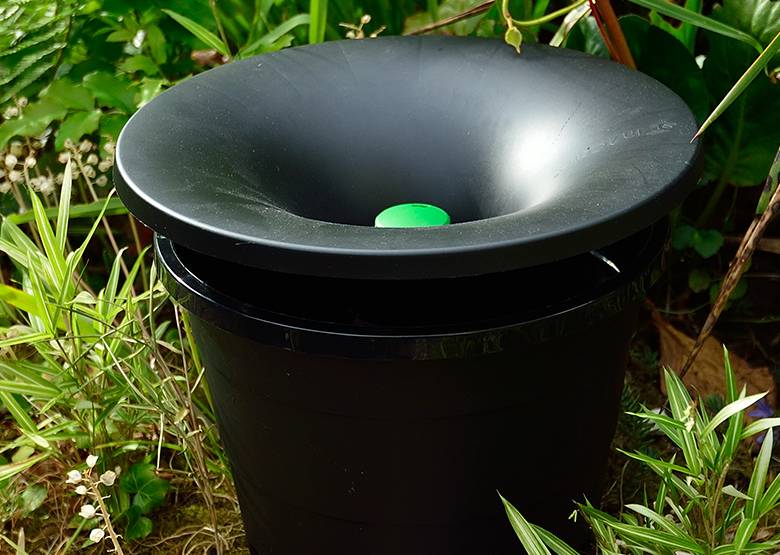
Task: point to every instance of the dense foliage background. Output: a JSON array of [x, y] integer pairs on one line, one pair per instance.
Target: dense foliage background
[[94, 359]]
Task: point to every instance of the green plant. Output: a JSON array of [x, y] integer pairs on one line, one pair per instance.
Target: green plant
[[98, 370], [697, 509]]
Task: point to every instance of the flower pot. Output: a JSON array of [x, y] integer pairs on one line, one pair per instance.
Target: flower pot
[[376, 387]]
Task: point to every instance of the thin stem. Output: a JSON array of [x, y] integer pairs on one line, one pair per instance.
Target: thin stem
[[471, 12], [138, 249], [616, 33], [220, 28], [106, 517], [548, 17]]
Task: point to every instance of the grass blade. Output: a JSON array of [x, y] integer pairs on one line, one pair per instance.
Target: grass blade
[[742, 83], [23, 420], [49, 241], [759, 426], [530, 539], [552, 541], [732, 409], [694, 18], [203, 34], [63, 212], [758, 479], [318, 9]]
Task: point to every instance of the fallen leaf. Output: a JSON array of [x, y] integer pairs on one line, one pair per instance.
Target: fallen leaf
[[706, 376]]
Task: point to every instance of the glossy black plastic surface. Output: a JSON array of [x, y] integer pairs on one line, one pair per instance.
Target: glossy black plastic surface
[[282, 161], [357, 428]]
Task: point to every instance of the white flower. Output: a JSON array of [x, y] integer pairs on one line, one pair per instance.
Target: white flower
[[101, 181], [74, 477], [22, 102], [109, 147], [30, 161], [85, 146], [15, 176], [87, 511], [10, 161], [105, 165], [97, 534], [63, 157], [11, 112], [81, 490], [5, 186], [93, 159], [89, 171], [46, 185], [108, 478], [92, 461]]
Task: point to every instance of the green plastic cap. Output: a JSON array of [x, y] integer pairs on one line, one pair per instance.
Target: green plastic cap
[[412, 215]]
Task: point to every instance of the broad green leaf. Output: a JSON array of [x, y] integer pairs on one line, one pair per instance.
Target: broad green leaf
[[682, 237], [758, 18], [139, 63], [699, 280], [702, 21], [33, 122], [528, 536], [120, 35], [743, 82], [758, 478], [138, 528], [742, 142], [318, 9], [730, 410], [33, 497], [684, 32], [75, 126], [652, 49], [585, 36], [204, 35], [149, 88], [69, 95], [111, 90], [156, 41], [707, 242], [149, 490]]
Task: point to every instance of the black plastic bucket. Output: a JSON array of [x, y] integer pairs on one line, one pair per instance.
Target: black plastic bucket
[[383, 417], [376, 387]]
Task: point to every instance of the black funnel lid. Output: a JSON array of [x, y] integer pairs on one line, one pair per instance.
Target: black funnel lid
[[283, 161]]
